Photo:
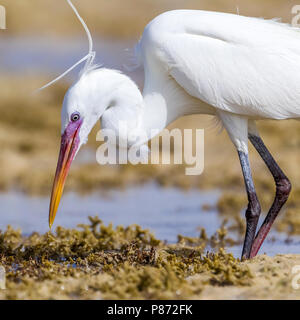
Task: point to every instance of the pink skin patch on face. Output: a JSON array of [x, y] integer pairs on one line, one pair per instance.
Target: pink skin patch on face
[[70, 140]]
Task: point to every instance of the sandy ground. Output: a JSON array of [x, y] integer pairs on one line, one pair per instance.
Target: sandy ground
[[273, 278]]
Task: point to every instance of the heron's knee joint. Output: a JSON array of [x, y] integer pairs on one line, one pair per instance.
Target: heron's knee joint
[[253, 210], [283, 188]]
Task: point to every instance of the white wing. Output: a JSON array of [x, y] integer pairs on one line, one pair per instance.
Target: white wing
[[243, 65]]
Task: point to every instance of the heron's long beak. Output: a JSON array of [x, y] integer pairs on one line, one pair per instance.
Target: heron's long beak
[[68, 149]]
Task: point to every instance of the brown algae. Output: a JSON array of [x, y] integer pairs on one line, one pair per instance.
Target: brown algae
[[97, 261]]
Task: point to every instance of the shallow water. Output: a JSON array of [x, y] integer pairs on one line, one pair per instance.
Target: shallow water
[[165, 211]]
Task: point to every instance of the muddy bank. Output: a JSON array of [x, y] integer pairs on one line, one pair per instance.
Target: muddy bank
[[121, 19], [272, 278]]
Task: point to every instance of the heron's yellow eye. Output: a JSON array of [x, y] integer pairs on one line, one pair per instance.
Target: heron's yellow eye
[[75, 116]]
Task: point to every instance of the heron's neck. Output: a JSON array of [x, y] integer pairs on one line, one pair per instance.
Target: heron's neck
[[164, 102], [146, 114], [154, 116]]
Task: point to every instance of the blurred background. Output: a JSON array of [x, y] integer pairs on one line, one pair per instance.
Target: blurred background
[[43, 39]]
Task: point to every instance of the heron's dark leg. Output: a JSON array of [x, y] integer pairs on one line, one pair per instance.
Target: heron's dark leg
[[253, 209], [283, 189]]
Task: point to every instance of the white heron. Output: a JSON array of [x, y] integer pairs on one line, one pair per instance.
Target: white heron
[[239, 69]]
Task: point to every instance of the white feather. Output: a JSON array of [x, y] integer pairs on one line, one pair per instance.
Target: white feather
[[246, 66], [89, 58]]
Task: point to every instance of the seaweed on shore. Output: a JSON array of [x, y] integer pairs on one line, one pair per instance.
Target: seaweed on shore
[[97, 261]]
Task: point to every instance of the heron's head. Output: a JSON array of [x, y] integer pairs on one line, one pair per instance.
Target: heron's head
[[101, 94]]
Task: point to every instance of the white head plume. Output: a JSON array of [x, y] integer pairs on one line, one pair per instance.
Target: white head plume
[[89, 58]]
